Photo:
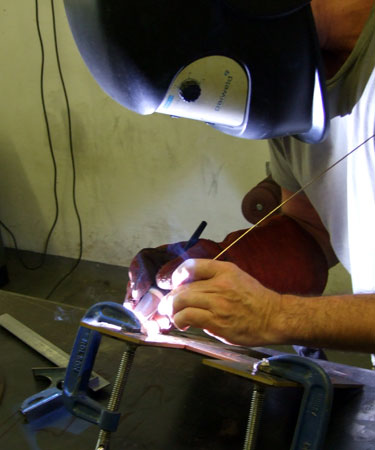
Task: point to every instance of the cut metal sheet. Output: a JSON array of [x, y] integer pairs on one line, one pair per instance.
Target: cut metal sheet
[[230, 360]]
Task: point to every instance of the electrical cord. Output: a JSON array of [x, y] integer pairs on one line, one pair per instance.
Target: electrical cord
[[71, 148], [51, 149]]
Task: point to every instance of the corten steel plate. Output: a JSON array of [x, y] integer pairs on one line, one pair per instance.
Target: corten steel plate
[[225, 360], [244, 370], [201, 346]]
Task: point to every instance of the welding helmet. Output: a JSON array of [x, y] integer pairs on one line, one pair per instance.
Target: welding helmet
[[250, 68]]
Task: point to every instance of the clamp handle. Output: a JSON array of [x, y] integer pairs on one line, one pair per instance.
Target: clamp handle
[[82, 360], [76, 382], [316, 404]]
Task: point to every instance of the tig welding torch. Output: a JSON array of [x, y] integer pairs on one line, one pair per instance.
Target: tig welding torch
[[148, 304]]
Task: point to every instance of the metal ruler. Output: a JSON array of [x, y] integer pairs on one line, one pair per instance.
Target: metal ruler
[[45, 347]]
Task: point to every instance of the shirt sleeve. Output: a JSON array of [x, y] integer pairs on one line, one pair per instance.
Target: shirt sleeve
[[281, 169]]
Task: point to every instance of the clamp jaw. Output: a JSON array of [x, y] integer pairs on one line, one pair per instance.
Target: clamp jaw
[[316, 404], [74, 394], [82, 360]]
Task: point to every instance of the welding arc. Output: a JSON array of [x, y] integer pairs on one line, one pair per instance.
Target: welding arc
[[309, 183]]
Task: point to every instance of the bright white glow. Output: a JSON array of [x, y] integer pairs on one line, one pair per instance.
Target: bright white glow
[[129, 305], [95, 323], [135, 294], [151, 328], [164, 323], [165, 307], [179, 276], [218, 338]]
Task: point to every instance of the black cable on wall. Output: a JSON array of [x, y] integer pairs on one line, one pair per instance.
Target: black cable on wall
[[72, 158], [52, 153]]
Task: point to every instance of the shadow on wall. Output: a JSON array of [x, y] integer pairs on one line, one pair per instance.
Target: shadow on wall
[[21, 208]]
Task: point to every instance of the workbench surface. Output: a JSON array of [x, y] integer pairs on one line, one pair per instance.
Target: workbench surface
[[171, 401]]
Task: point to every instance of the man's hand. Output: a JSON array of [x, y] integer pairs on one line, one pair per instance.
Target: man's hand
[[235, 308], [223, 300]]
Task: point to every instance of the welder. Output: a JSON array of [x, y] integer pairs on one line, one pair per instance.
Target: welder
[[300, 74]]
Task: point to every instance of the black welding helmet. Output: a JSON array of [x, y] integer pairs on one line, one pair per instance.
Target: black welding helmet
[[250, 68]]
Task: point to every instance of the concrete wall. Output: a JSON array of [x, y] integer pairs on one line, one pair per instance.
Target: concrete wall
[[141, 181]]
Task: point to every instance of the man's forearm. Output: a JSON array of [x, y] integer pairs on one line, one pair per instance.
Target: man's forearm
[[345, 322]]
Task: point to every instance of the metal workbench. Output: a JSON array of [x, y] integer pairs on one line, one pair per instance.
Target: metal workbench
[[171, 401]]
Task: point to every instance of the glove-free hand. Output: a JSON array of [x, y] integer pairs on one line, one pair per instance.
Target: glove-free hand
[[224, 301]]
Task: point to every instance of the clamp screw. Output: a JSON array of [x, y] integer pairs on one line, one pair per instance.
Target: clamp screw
[[256, 408], [118, 388]]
